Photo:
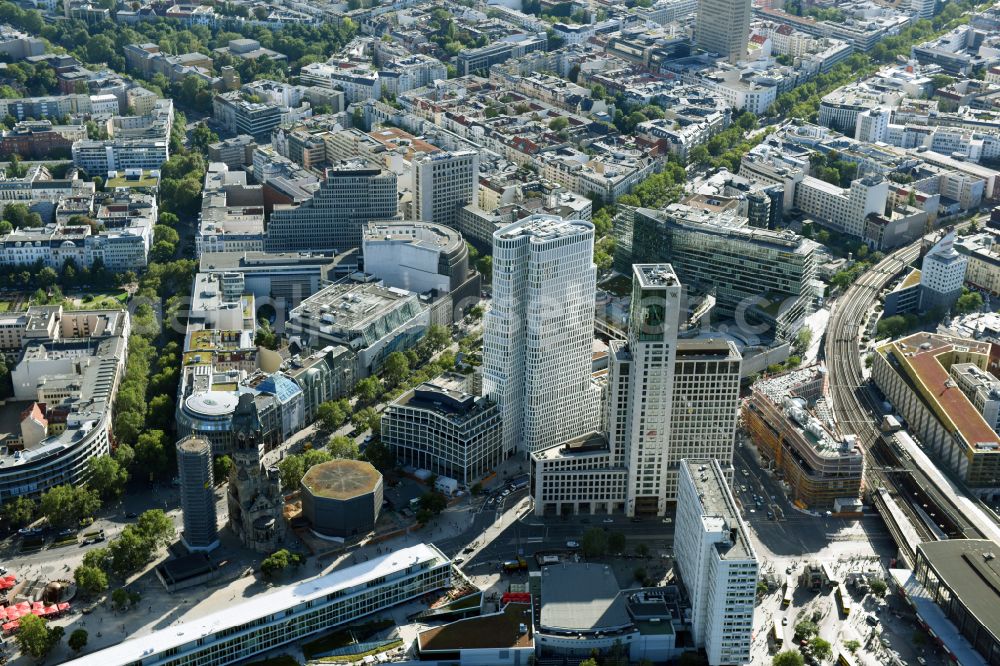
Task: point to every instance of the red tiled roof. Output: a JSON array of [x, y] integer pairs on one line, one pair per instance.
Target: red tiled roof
[[934, 376]]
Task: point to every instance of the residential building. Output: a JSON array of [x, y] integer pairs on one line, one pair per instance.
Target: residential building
[[72, 362], [123, 244], [769, 275], [288, 613], [942, 274], [981, 388], [443, 183], [136, 142], [843, 209], [358, 80], [236, 114], [232, 213], [327, 374], [723, 28], [537, 339], [249, 49], [40, 139], [983, 268], [914, 374], [440, 427], [716, 562], [235, 153], [147, 60], [819, 466], [351, 195], [479, 60]]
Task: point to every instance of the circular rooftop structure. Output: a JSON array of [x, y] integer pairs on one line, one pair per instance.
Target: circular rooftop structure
[[341, 479], [211, 404], [341, 498]]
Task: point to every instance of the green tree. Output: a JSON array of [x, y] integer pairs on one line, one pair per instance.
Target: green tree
[[380, 456], [558, 124], [434, 502], [279, 561], [221, 467], [47, 277], [77, 640], [366, 419], [19, 511], [788, 658], [35, 637], [66, 505], [343, 447], [293, 467], [891, 327], [151, 452], [120, 598], [155, 527], [852, 645], [821, 648], [266, 336], [594, 542], [332, 414], [90, 580], [878, 587], [368, 389], [805, 630], [970, 301], [437, 337], [803, 339], [616, 543], [163, 233], [129, 552], [107, 476], [396, 368], [168, 219]]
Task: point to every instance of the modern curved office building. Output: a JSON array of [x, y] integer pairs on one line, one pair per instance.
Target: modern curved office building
[[67, 378]]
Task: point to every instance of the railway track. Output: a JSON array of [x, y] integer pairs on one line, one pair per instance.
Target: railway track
[[853, 405]]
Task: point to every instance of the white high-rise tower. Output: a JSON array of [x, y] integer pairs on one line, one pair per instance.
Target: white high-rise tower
[[641, 383], [538, 334]]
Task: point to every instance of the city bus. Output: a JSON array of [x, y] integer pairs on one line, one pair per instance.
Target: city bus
[[844, 599], [777, 640], [786, 600], [843, 659]]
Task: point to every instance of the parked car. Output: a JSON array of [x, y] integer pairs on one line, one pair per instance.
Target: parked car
[[572, 544]]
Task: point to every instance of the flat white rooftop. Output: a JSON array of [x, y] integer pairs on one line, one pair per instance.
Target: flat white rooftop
[[261, 606]]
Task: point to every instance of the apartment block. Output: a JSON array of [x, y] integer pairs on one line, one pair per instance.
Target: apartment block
[[716, 562]]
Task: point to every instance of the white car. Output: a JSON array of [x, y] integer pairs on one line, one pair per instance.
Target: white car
[[572, 544], [609, 520]]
